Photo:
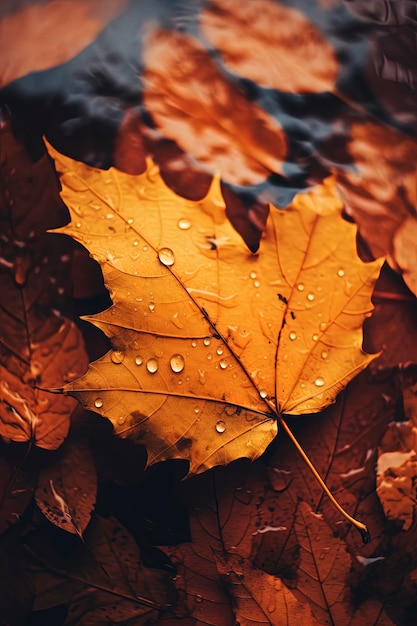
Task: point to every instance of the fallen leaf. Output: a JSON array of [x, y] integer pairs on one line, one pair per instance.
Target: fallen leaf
[[396, 479], [103, 579], [245, 35], [39, 347], [37, 36], [198, 320], [189, 97], [66, 491], [380, 193], [259, 598]]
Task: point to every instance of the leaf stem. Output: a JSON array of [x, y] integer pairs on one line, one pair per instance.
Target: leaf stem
[[362, 528]]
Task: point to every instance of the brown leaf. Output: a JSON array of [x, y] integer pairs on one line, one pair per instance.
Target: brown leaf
[[103, 579], [294, 57], [37, 36], [397, 465], [380, 193], [187, 95], [324, 567], [38, 347], [260, 598], [66, 491]]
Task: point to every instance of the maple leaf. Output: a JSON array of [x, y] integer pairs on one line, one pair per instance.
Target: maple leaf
[[199, 323], [38, 346]]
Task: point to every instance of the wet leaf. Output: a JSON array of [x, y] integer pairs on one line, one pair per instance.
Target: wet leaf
[[66, 491], [39, 347], [107, 582], [198, 321], [259, 598]]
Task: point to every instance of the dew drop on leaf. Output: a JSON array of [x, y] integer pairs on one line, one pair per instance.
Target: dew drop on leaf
[[196, 410], [135, 243], [117, 357], [198, 598], [324, 354], [193, 344], [319, 382], [139, 360], [310, 297], [220, 426], [151, 307], [152, 365], [177, 363], [323, 326], [252, 275], [340, 272], [315, 337], [300, 287], [130, 221], [256, 283], [219, 350], [223, 364], [293, 335], [166, 256], [263, 394], [206, 341], [98, 403], [184, 224]]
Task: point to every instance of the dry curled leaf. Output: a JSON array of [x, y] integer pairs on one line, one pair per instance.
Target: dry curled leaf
[[66, 491], [200, 323]]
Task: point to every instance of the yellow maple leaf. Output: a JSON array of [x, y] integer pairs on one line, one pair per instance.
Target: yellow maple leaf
[[210, 342]]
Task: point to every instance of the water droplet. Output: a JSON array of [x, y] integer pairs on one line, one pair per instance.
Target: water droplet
[[139, 360], [117, 357], [263, 394], [300, 287], [293, 335], [193, 344], [220, 426], [109, 216], [223, 364], [98, 403], [319, 382], [78, 225], [324, 354], [135, 243], [184, 224], [177, 363], [151, 307], [130, 220], [256, 283], [166, 256], [209, 356], [206, 341], [152, 365], [219, 350], [121, 419], [197, 410], [252, 275], [315, 337], [323, 326], [310, 297], [341, 272], [198, 598]]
